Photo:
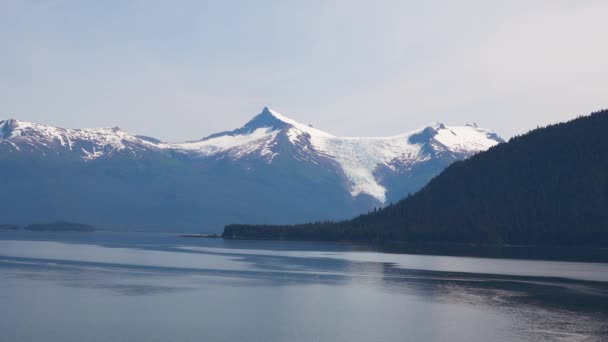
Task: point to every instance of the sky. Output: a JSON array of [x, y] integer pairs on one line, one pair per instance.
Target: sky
[[181, 70]]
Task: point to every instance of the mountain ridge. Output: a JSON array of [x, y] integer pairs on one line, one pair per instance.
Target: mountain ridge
[[271, 157], [260, 134]]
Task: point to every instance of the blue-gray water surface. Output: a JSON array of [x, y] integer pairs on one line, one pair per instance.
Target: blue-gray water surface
[[106, 286]]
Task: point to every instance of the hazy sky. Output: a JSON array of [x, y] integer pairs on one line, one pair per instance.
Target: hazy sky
[[179, 70]]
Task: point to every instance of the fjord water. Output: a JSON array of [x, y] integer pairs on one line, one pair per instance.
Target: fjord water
[[107, 286]]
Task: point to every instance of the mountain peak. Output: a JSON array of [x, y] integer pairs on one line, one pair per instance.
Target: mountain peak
[[279, 116], [270, 118], [7, 126], [438, 125], [470, 136], [9, 122], [425, 135], [265, 119]]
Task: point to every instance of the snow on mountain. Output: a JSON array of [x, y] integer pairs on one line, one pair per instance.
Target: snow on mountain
[[466, 138], [358, 157], [89, 143], [297, 127], [258, 136], [236, 146]]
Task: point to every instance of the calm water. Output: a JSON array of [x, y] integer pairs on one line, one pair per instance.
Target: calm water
[[153, 287]]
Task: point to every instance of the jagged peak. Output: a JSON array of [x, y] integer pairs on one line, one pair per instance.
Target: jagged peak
[[8, 126], [273, 119], [266, 119], [424, 135], [437, 125], [4, 127], [18, 124], [468, 132], [11, 122], [105, 130]]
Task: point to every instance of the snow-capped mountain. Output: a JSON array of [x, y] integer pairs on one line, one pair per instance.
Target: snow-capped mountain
[[312, 173], [86, 143], [358, 157]]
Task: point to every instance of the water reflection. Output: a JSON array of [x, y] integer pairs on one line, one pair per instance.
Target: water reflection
[[312, 293]]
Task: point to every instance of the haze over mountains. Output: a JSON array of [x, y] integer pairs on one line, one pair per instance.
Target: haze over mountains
[[272, 170]]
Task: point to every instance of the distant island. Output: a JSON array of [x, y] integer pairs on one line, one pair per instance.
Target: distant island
[[8, 227], [60, 227], [546, 187], [201, 236]]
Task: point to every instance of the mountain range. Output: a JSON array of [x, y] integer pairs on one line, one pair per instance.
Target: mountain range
[[546, 187], [272, 170]]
